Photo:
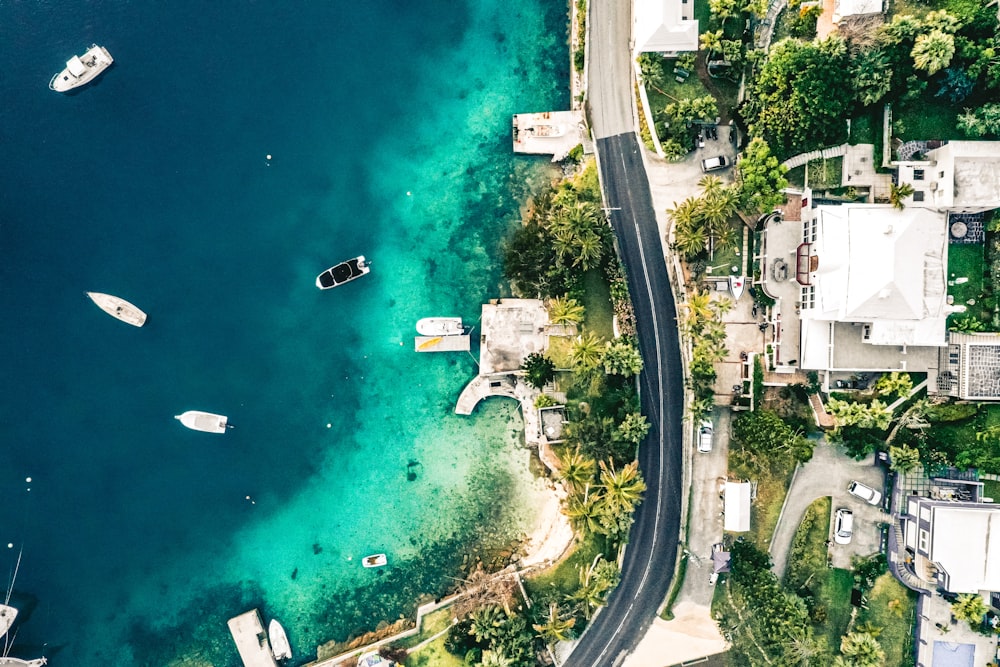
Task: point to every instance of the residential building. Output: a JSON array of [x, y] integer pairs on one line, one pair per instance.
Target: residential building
[[956, 177], [665, 26]]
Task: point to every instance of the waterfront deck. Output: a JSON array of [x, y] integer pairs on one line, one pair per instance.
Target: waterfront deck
[[553, 133], [251, 640], [442, 343]]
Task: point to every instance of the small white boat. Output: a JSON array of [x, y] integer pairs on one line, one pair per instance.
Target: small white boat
[[280, 647], [375, 560], [118, 308], [736, 285], [7, 616], [81, 70], [17, 662], [204, 421], [344, 272], [440, 326]]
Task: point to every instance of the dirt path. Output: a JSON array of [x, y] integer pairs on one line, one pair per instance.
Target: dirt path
[[701, 67]]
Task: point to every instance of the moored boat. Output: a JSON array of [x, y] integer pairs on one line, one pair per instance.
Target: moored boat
[[204, 421], [280, 647], [440, 326], [375, 560], [344, 272], [736, 285], [17, 662], [81, 70], [7, 616], [119, 308]]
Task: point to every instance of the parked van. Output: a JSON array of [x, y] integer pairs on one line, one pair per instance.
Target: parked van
[[705, 432], [713, 163]]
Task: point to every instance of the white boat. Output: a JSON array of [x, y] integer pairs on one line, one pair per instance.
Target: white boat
[[344, 272], [81, 70], [17, 662], [7, 616], [375, 560], [440, 326], [118, 308], [736, 285], [280, 647], [204, 421]]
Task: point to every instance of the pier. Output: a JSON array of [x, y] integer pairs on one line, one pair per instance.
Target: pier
[[461, 343], [553, 133], [251, 640]]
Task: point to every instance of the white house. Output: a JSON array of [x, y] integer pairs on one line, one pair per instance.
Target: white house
[[958, 177], [665, 26]]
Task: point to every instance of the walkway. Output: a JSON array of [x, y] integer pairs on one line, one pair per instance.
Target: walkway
[[804, 158]]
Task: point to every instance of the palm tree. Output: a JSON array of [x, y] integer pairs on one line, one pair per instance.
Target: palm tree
[[718, 207], [933, 51], [586, 351], [623, 488], [969, 607], [710, 183], [487, 623], [651, 71], [862, 650], [555, 629], [565, 310], [584, 512], [576, 469], [689, 239], [588, 250], [711, 42], [699, 310], [897, 193], [496, 658], [722, 306]]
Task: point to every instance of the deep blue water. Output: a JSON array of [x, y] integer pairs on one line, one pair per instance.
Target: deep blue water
[[388, 126]]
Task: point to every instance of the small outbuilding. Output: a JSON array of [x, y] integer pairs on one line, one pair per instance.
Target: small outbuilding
[[737, 507]]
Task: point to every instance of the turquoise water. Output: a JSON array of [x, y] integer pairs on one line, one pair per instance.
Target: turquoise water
[[388, 129]]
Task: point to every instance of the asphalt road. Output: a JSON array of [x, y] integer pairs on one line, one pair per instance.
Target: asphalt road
[[652, 549]]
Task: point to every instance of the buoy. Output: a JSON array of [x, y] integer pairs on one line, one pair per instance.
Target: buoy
[[268, 156], [409, 194], [10, 545], [28, 480], [329, 425]]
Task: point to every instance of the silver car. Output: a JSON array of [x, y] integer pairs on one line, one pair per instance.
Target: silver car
[[843, 526]]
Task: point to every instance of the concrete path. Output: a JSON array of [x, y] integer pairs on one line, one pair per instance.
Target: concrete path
[[827, 474]]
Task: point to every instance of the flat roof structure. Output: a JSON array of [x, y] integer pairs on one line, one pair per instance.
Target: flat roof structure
[[251, 640], [842, 8], [960, 176], [553, 133], [511, 330], [965, 543], [737, 507], [665, 26]]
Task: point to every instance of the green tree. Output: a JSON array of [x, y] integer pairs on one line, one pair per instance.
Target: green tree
[[595, 584], [621, 357], [633, 428], [870, 416], [651, 70], [871, 76], [623, 487], [587, 351], [487, 623], [969, 607], [897, 193], [711, 42], [584, 512], [860, 649], [903, 459], [933, 51], [760, 178], [565, 310], [539, 369], [981, 122], [576, 470], [893, 384], [698, 309], [496, 658], [723, 10], [556, 628]]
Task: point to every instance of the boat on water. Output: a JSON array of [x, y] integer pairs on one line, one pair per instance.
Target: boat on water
[[343, 273], [7, 616], [81, 70], [204, 421], [118, 308], [736, 285], [17, 662], [440, 326], [375, 560], [280, 647]]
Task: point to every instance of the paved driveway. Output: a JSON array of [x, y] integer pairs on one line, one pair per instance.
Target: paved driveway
[[827, 474]]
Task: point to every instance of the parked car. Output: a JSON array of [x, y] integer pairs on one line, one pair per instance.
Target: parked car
[[713, 163], [866, 493], [843, 526], [705, 432]]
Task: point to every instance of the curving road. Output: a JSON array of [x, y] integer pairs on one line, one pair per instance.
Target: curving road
[[649, 560]]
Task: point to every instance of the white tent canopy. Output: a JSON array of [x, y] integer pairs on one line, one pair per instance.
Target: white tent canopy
[[737, 507]]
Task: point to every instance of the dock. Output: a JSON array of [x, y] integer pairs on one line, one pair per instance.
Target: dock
[[462, 343], [251, 640], [553, 133]]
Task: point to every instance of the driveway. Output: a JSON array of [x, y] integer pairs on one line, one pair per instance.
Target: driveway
[[827, 474]]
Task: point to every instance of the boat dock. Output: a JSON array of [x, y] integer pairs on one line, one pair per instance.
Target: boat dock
[[443, 343], [553, 133], [251, 640]]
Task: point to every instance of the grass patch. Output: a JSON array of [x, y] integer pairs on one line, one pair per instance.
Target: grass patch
[[809, 552], [433, 623], [772, 487], [797, 176], [596, 300], [724, 259], [434, 655], [559, 351], [864, 129], [675, 589], [991, 489], [564, 578], [926, 118], [892, 607], [825, 174], [966, 261]]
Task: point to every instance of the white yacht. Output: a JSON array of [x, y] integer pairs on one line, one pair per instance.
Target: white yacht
[[280, 647], [440, 326], [204, 421], [344, 272], [17, 662], [81, 70], [375, 560], [118, 308]]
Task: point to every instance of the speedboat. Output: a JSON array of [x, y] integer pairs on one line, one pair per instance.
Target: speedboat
[[342, 273], [204, 421], [81, 70], [736, 285], [375, 560], [118, 308], [440, 326], [280, 647]]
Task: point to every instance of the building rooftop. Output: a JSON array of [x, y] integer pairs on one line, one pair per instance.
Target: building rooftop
[[966, 545], [665, 26], [511, 330]]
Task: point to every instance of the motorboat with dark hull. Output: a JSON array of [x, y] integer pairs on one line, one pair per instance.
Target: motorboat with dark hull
[[343, 273]]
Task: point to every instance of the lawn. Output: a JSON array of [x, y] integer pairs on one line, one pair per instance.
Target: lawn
[[724, 259], [434, 655], [797, 176], [966, 260], [925, 118], [809, 575], [864, 129], [825, 174], [565, 576], [991, 489], [559, 351], [597, 304], [892, 607]]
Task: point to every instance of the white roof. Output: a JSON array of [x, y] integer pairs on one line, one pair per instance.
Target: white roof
[[882, 266], [76, 66], [737, 507], [971, 174], [966, 544], [661, 28], [844, 8]]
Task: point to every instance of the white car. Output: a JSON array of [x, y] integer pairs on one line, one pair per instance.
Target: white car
[[866, 493], [705, 432], [843, 526], [713, 163]]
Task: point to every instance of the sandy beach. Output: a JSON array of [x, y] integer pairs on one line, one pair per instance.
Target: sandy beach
[[553, 534]]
